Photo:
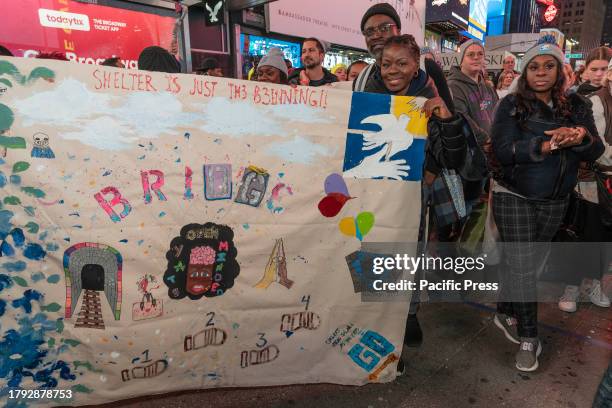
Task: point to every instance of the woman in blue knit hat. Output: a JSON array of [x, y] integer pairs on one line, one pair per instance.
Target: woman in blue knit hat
[[539, 135]]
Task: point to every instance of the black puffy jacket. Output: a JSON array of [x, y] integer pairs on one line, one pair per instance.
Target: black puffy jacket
[[518, 146]]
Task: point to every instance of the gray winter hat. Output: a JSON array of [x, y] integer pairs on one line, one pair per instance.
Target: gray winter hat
[[274, 58], [545, 46], [463, 48]]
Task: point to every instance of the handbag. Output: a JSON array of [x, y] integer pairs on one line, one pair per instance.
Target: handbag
[[447, 198], [573, 224], [491, 236]]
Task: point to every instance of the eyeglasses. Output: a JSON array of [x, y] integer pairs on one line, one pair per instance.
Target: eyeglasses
[[382, 29]]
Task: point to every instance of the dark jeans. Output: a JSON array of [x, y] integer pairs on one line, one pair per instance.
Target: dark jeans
[[522, 223]]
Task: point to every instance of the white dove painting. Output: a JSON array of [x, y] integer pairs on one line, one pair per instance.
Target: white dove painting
[[386, 139]]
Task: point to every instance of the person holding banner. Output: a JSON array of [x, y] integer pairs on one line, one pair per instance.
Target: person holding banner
[[272, 67], [446, 143], [539, 136]]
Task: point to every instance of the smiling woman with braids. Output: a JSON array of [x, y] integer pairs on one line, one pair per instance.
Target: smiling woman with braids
[[539, 137]]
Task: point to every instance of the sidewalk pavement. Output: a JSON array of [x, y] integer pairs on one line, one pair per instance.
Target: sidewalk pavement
[[465, 361]]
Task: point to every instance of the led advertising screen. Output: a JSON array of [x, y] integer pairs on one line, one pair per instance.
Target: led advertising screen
[[477, 23], [496, 13], [86, 33], [456, 11], [259, 46]]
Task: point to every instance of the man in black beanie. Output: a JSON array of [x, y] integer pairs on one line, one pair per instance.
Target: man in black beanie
[[378, 24]]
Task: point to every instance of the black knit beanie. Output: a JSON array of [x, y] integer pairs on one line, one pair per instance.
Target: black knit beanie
[[382, 8], [158, 59]]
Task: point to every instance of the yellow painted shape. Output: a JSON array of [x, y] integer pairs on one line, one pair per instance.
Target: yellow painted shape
[[411, 106]]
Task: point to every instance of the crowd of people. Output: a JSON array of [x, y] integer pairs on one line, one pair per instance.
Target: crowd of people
[[531, 146]]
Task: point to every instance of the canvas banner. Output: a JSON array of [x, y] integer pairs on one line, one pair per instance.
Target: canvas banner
[[170, 232]]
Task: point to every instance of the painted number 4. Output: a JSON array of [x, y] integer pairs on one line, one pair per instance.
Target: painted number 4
[[306, 299], [371, 348]]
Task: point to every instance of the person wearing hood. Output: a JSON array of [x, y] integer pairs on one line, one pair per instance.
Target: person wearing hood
[[313, 73], [446, 141], [272, 68], [596, 67], [471, 94], [539, 136], [476, 100]]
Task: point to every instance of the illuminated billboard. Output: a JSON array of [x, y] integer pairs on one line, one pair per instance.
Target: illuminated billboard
[[477, 22], [455, 11]]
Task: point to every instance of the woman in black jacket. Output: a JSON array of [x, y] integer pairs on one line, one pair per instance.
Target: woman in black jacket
[[446, 143], [539, 137]]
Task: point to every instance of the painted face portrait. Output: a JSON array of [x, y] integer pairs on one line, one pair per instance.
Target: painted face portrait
[[201, 262]]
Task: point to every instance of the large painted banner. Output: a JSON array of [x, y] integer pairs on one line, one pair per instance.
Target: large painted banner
[[169, 232]]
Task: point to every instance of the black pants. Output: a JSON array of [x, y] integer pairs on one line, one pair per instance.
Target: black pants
[[522, 223]]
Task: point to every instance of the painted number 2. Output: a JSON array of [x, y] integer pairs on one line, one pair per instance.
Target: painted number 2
[[306, 299], [370, 350], [211, 319]]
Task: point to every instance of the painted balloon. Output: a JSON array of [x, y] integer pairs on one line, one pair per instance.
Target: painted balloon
[[347, 226], [331, 205], [334, 183], [365, 222]]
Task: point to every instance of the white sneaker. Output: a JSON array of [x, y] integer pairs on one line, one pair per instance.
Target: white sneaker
[[597, 296], [567, 303]]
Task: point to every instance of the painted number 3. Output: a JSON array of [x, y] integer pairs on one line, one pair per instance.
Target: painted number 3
[[370, 350], [262, 340]]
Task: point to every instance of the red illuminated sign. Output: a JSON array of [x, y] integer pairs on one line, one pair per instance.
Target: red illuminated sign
[[550, 13], [546, 2], [86, 33]]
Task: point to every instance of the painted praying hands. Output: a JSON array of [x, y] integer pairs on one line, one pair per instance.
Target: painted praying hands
[[395, 138]]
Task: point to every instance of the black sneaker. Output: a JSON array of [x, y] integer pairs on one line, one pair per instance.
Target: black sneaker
[[413, 336]]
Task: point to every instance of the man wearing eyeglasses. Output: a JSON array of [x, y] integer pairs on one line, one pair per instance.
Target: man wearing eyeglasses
[[378, 24]]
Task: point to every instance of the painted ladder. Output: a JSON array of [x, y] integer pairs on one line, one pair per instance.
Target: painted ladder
[[90, 315]]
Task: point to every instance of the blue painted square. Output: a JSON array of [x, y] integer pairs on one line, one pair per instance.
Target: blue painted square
[[364, 105]]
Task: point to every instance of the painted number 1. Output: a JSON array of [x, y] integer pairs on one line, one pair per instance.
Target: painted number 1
[[146, 354]]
